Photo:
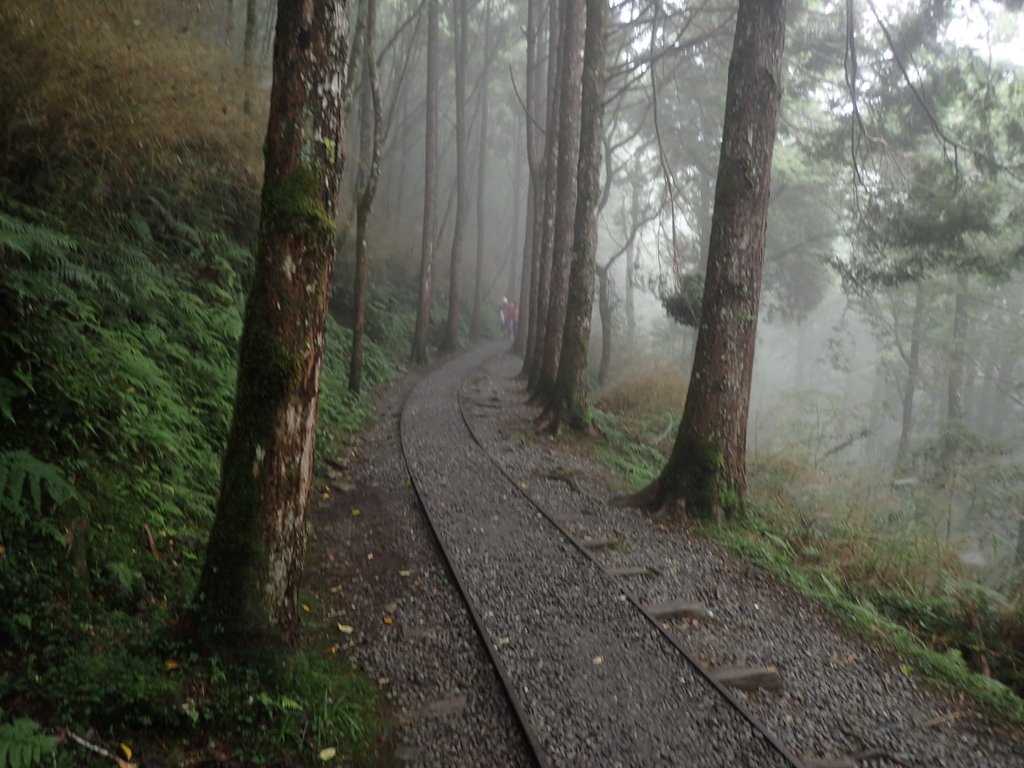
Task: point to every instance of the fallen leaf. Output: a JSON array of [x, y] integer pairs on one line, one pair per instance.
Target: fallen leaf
[[370, 556], [598, 660], [504, 641], [348, 630], [327, 753], [388, 620], [405, 573], [325, 495], [383, 680], [356, 512], [336, 589], [334, 649], [125, 750], [171, 664], [305, 608]]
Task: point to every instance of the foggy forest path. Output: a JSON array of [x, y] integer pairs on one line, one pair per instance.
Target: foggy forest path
[[616, 640]]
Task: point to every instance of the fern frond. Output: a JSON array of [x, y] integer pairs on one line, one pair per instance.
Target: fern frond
[[23, 744]]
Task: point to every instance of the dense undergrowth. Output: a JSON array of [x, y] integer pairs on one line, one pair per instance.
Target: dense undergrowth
[[128, 199], [870, 552]]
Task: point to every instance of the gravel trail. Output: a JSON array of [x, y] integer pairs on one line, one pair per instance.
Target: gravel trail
[[842, 699], [599, 684]]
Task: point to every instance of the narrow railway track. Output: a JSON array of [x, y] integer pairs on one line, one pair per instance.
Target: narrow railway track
[[568, 710]]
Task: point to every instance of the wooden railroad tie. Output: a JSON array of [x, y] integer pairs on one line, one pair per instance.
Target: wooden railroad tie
[[630, 570], [601, 542], [677, 609], [749, 678]]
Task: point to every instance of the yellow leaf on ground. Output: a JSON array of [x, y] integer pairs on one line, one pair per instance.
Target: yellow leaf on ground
[[325, 495], [327, 753], [598, 660], [305, 608], [388, 620], [348, 630], [171, 664], [125, 750], [356, 512], [405, 573], [370, 556]]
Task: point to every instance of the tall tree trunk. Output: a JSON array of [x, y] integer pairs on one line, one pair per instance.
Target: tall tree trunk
[[419, 343], [542, 256], [570, 74], [517, 212], [913, 373], [534, 204], [955, 409], [254, 557], [706, 472], [630, 303], [604, 309], [249, 55], [460, 24], [371, 134], [570, 395], [481, 184]]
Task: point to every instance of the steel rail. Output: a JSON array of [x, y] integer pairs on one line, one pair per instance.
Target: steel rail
[[537, 753], [704, 672]]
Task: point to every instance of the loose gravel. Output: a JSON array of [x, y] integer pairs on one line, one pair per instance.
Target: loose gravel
[[598, 683], [841, 695], [410, 630]]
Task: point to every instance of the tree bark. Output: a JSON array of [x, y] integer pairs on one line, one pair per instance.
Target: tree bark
[[253, 564], [913, 373], [460, 23], [542, 255], [570, 78], [604, 309], [371, 134], [706, 472], [569, 405], [630, 304], [955, 409], [249, 55], [481, 185], [534, 205], [419, 343]]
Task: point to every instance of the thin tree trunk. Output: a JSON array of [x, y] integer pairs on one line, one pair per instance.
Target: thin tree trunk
[[539, 307], [372, 138], [460, 24], [604, 309], [913, 373], [630, 305], [253, 565], [570, 394], [249, 55], [481, 185], [955, 408], [706, 472], [517, 212], [570, 74], [419, 343]]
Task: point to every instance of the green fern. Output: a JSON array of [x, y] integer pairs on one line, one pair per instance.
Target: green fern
[[23, 744], [22, 475]]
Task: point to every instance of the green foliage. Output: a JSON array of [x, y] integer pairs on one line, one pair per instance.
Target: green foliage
[[684, 305], [23, 744]]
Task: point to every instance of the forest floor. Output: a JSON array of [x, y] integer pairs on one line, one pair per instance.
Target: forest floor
[[377, 576]]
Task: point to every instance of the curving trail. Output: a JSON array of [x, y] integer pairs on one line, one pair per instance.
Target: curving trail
[[593, 678]]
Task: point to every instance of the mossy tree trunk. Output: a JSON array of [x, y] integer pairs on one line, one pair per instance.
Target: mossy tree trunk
[[706, 471], [542, 250], [372, 139], [460, 24], [570, 68], [569, 402], [419, 342], [253, 564], [604, 309]]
